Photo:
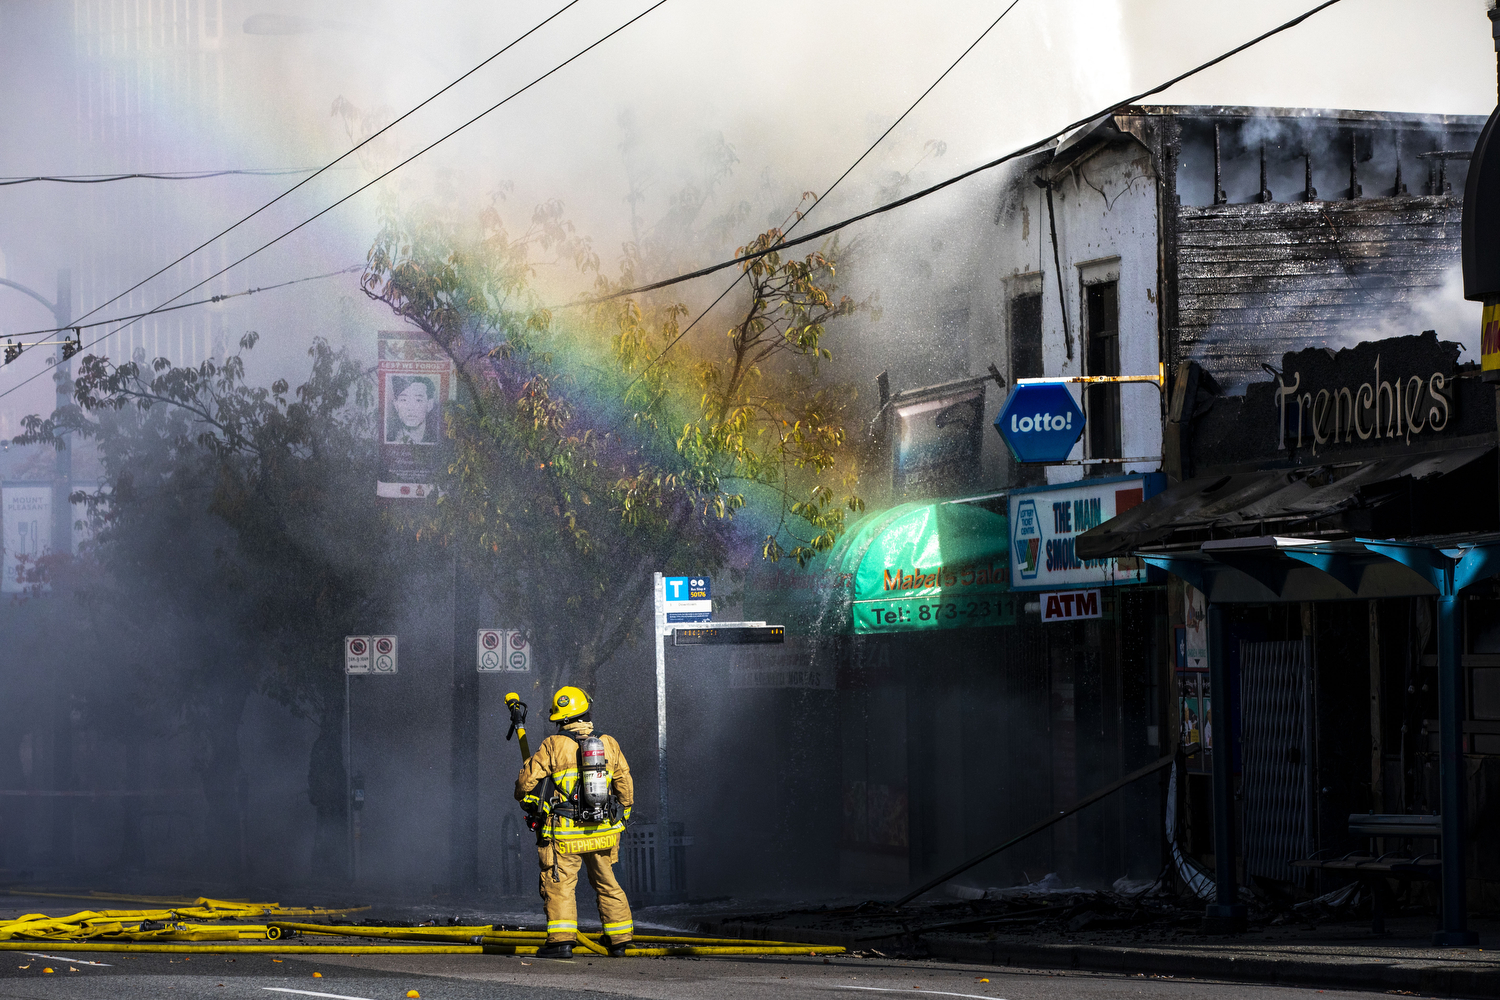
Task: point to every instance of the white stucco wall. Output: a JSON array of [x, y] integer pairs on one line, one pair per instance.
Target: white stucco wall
[[1105, 207]]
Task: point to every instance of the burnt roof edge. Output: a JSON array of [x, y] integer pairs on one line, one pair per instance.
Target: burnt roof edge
[[1327, 114]]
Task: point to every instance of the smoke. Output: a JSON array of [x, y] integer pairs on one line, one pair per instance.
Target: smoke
[[1443, 309], [686, 134]]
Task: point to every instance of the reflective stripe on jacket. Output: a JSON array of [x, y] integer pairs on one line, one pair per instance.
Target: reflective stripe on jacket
[[554, 767]]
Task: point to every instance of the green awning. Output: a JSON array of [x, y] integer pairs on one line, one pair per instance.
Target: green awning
[[927, 566]]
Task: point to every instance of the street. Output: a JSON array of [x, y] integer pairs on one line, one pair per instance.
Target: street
[[462, 977]]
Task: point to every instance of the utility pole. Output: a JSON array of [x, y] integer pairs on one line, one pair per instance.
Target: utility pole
[[62, 378], [463, 843], [62, 541]]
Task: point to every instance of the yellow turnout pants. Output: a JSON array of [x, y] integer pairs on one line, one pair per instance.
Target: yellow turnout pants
[[561, 900]]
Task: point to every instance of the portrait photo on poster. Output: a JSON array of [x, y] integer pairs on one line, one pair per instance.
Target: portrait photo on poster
[[413, 411]]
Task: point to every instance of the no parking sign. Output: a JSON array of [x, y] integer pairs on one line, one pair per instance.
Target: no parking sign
[[356, 654], [490, 653], [369, 654], [502, 650]]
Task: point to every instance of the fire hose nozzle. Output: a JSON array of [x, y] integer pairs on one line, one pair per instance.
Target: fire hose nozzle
[[517, 714]]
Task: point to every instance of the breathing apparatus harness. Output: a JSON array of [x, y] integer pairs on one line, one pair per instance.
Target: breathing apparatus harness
[[592, 801]]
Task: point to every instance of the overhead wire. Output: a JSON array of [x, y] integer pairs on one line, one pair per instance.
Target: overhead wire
[[819, 198], [211, 300], [785, 244], [341, 157], [949, 182], [162, 175], [364, 187]]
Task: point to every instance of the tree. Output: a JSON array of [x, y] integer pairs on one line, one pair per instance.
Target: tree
[[578, 466], [237, 527]]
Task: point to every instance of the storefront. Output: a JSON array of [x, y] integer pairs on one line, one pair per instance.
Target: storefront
[[965, 712], [1338, 533]]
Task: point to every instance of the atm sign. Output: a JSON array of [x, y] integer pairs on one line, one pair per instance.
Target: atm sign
[[1070, 605]]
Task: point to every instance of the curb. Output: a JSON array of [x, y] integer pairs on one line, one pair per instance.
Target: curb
[[1417, 975]]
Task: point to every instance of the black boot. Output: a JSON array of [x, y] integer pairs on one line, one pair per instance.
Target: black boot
[[618, 950], [555, 949]]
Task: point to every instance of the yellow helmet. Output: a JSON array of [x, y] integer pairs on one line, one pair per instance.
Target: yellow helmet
[[569, 703]]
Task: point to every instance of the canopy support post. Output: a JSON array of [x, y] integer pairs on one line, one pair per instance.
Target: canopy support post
[[1226, 914], [1451, 774]]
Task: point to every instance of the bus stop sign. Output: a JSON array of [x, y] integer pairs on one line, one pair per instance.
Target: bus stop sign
[[1040, 423]]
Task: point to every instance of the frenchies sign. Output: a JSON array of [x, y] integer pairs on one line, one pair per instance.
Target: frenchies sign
[[1045, 523], [415, 380]]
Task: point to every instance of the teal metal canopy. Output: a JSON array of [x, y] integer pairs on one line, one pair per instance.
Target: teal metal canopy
[[1279, 568]]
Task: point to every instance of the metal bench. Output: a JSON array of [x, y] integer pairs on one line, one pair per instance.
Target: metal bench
[[1373, 871]]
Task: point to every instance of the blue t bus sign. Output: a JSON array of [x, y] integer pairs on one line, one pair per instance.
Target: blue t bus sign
[[686, 599], [1040, 423]]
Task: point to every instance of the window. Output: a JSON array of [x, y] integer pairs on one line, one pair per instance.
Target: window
[[1026, 336], [1102, 316]]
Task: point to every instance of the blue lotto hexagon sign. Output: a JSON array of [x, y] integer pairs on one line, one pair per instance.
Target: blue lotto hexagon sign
[[1040, 423]]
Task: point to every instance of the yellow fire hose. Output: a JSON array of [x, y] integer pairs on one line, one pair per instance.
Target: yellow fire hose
[[165, 930], [164, 947], [526, 942], [200, 906], [276, 930], [244, 949]]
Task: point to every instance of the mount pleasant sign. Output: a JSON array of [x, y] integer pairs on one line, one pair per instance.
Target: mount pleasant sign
[[1399, 408]]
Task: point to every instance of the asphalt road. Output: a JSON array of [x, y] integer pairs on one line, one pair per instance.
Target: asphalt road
[[85, 976]]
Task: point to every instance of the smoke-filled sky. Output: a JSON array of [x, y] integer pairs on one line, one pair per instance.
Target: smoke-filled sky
[[798, 90]]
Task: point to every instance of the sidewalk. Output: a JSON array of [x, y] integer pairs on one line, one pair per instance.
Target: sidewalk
[[1341, 954]]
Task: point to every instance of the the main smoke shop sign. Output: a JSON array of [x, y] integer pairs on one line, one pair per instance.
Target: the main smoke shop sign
[[1045, 523]]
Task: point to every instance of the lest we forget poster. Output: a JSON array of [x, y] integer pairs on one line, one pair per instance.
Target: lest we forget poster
[[416, 380]]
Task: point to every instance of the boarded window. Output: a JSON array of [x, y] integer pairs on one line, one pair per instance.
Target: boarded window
[[1026, 336], [1102, 314]]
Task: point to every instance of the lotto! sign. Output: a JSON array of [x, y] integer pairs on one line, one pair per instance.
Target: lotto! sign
[[1070, 605], [1040, 423]]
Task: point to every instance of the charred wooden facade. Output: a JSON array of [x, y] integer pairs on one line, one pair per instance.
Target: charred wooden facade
[[1283, 229]]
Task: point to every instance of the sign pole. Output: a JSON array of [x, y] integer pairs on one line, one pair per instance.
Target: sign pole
[[348, 788], [663, 827], [359, 658]]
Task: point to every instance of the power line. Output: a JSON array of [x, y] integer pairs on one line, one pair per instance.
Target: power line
[[161, 175], [818, 200], [324, 211], [925, 192], [211, 300], [362, 143]]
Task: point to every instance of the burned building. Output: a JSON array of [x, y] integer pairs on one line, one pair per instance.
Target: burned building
[[1225, 236], [1212, 242]]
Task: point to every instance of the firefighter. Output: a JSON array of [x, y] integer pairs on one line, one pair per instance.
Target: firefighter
[[577, 790]]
